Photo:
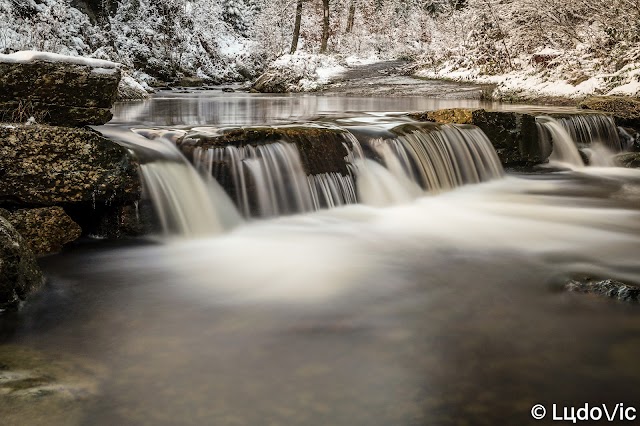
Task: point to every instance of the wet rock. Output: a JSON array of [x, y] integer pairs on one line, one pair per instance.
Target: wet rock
[[514, 136], [321, 149], [629, 138], [446, 116], [44, 166], [626, 110], [45, 230], [609, 288], [273, 82], [131, 90], [629, 159], [19, 272], [190, 82], [57, 90]]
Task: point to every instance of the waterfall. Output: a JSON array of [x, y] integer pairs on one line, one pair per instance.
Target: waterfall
[[269, 180], [330, 190], [436, 158], [593, 129], [186, 203], [564, 147], [596, 134]]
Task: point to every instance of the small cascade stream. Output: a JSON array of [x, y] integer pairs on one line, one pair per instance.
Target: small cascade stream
[[593, 129], [594, 134], [565, 150], [186, 204]]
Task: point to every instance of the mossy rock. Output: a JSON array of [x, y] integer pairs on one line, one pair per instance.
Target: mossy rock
[[446, 116], [45, 230], [514, 135], [57, 92], [19, 273], [56, 115], [44, 166], [58, 83], [626, 110]]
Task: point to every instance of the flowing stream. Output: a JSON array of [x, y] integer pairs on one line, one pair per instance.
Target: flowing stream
[[410, 281]]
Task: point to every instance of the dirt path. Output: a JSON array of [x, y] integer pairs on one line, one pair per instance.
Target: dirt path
[[392, 78]]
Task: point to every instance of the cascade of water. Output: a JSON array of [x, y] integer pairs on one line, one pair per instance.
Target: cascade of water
[[269, 180], [332, 190], [564, 147], [437, 158], [186, 204], [592, 129]]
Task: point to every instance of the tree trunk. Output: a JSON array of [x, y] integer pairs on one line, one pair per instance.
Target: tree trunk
[[351, 16], [296, 28], [325, 26]]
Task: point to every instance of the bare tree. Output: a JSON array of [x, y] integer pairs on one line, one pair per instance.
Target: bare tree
[[351, 16], [296, 28], [325, 26]]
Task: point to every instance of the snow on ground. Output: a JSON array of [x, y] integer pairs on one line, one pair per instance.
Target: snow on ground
[[531, 83], [307, 72], [355, 61]]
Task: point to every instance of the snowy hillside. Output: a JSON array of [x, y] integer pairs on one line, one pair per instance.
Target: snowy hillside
[[162, 39], [530, 48]]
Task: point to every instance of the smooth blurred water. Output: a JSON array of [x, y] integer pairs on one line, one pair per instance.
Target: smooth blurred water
[[446, 309]]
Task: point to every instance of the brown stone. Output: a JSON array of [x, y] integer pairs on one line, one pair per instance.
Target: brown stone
[[59, 93], [19, 272], [45, 230], [44, 165]]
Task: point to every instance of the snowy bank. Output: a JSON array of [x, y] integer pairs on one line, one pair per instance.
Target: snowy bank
[[532, 83], [300, 72]]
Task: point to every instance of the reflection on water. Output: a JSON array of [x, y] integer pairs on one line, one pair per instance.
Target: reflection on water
[[217, 108]]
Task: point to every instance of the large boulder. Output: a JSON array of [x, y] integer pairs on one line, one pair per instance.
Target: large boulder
[[625, 110], [45, 230], [44, 166], [19, 272], [56, 89]]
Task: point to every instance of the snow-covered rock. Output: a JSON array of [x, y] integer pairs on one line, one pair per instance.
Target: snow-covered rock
[[57, 89]]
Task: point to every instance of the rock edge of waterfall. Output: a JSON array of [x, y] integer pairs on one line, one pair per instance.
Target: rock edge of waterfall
[[58, 180], [514, 134]]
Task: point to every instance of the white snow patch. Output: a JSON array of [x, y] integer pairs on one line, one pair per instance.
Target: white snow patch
[[104, 71], [27, 56], [354, 61]]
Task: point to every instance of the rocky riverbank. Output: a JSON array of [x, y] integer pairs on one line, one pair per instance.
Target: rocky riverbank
[[58, 179]]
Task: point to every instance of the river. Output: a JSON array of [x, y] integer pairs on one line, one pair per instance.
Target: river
[[444, 309]]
